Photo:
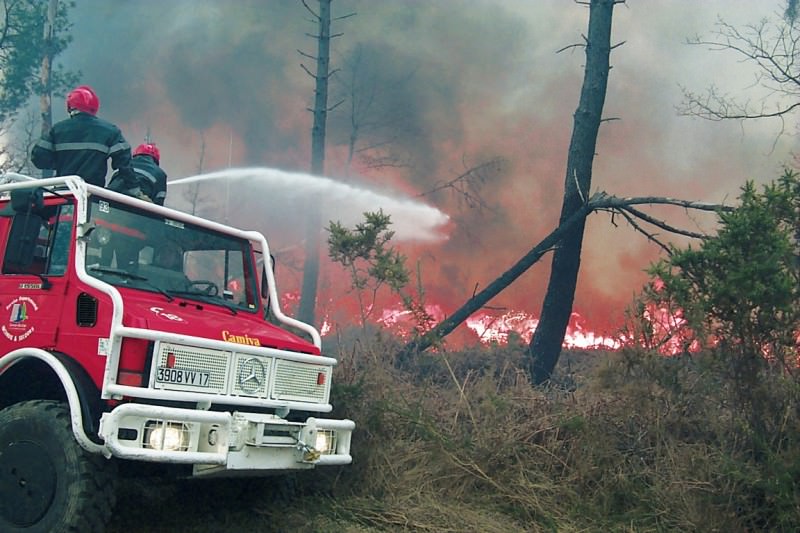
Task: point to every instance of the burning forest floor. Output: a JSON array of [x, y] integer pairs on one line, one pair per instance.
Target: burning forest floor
[[461, 442]]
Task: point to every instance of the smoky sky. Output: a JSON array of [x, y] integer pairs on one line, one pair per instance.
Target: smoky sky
[[433, 88], [239, 63]]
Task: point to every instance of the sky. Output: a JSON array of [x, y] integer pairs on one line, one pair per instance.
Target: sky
[[446, 86]]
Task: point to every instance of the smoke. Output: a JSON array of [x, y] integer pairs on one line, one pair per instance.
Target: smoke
[[429, 90]]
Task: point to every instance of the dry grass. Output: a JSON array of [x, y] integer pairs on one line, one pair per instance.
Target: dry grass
[[461, 442]]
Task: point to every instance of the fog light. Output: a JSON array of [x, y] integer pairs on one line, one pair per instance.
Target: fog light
[[325, 442], [167, 436]]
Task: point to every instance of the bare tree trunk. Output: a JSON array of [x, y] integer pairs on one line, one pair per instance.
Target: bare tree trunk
[[308, 296], [47, 60], [548, 338]]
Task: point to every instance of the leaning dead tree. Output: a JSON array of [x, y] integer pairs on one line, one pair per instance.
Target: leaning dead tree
[[627, 208], [545, 346]]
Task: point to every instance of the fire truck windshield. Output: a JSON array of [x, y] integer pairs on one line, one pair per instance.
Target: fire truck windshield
[[141, 250]]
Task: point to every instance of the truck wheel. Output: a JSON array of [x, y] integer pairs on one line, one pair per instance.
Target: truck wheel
[[48, 483]]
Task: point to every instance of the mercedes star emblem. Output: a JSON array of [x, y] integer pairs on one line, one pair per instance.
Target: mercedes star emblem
[[251, 375]]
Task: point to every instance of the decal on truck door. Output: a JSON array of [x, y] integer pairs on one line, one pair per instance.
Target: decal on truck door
[[17, 329], [169, 316]]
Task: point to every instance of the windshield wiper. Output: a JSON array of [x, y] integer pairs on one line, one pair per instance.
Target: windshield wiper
[[116, 271], [131, 275], [215, 300]]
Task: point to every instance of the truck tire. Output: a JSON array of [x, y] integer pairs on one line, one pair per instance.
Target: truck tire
[[48, 483]]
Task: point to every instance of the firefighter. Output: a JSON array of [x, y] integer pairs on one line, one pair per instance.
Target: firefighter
[[83, 143], [151, 180], [169, 255]]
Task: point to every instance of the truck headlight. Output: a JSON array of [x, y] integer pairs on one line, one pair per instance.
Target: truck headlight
[[325, 442], [167, 436]]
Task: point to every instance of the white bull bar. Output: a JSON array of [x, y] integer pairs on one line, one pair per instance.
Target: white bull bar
[[242, 441]]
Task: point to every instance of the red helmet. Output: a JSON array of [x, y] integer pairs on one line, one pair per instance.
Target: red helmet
[[83, 99], [148, 149]]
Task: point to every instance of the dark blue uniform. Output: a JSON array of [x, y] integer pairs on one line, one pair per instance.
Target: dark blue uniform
[[82, 144], [150, 179]]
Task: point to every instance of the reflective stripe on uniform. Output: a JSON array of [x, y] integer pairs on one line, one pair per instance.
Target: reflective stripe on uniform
[[145, 174], [119, 147], [47, 145], [63, 147]]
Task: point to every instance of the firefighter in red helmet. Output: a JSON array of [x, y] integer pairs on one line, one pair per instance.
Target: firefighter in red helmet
[[83, 143], [151, 180]]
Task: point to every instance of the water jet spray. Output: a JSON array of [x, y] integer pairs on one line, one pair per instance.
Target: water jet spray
[[283, 197]]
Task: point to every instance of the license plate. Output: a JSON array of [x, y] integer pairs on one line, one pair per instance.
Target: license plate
[[180, 376]]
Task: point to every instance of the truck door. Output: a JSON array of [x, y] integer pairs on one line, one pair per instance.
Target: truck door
[[33, 280]]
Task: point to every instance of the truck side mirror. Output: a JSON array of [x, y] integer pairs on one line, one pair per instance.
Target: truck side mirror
[[22, 238], [25, 227], [264, 287], [27, 200], [264, 284]]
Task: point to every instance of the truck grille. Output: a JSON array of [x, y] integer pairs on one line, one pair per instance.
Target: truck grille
[[300, 381], [239, 374], [214, 362]]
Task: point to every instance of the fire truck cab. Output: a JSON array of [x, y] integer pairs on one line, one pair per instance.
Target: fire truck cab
[[130, 331]]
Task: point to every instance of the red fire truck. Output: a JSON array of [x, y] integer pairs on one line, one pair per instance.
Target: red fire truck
[[135, 332]]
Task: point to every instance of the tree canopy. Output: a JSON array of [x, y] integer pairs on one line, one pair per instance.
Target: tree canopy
[[740, 289], [22, 46]]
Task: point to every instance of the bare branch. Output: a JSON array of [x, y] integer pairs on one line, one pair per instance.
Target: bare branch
[[650, 236], [302, 66], [379, 162], [602, 200], [307, 56], [582, 45], [467, 184], [334, 106], [308, 8], [661, 224], [774, 49]]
